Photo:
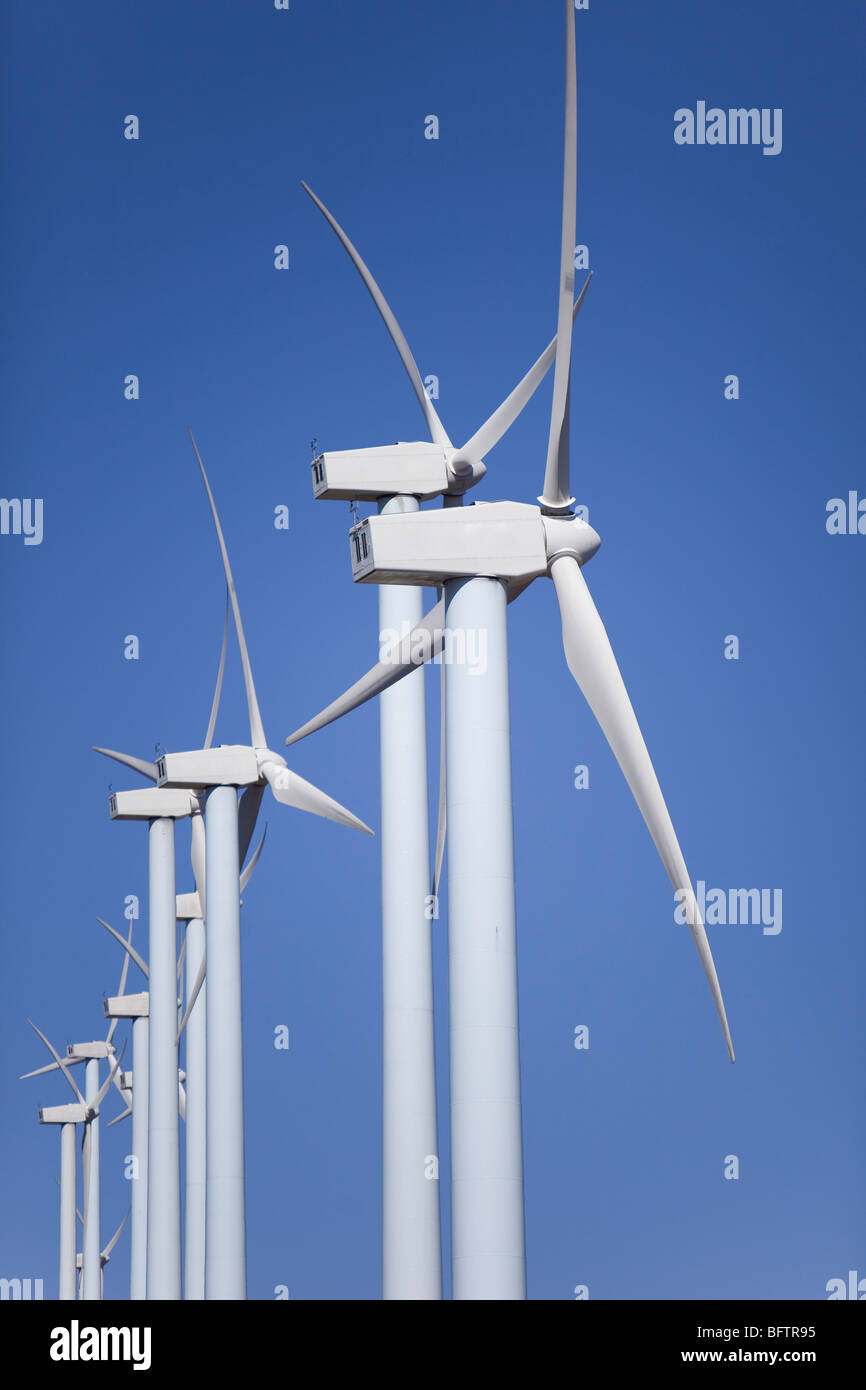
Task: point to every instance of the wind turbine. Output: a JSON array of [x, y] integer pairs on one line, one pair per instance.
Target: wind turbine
[[67, 1116], [484, 556], [219, 773], [397, 478], [86, 1112]]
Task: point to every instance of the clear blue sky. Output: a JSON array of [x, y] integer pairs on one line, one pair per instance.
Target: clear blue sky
[[155, 257]]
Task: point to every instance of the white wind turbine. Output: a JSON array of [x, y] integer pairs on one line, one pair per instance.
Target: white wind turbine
[[219, 773], [67, 1116], [485, 556], [85, 1112], [397, 478]]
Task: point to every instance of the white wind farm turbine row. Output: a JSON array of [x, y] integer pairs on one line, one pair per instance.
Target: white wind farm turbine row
[[479, 558], [202, 786]]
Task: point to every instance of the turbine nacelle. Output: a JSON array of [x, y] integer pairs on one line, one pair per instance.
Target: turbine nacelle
[[88, 1052], [420, 469], [127, 1005], [71, 1114], [512, 541], [153, 803], [188, 907], [229, 765]]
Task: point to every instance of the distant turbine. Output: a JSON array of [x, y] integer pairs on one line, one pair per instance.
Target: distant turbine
[[89, 1104], [220, 773]]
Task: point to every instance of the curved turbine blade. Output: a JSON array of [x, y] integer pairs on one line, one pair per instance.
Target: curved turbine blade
[[106, 1085], [250, 868], [437, 430], [106, 1254], [248, 811], [556, 495], [122, 1116], [124, 1091], [442, 818], [208, 738], [257, 733], [503, 418], [181, 1100], [194, 994], [61, 1062], [420, 645], [197, 854], [51, 1066], [592, 663], [85, 1169], [292, 790], [127, 947], [146, 769], [121, 990]]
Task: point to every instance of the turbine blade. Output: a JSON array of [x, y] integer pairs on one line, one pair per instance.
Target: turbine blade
[[122, 1116], [250, 868], [198, 855], [248, 811], [442, 817], [419, 645], [50, 1066], [194, 994], [592, 663], [142, 965], [85, 1169], [146, 769], [181, 1100], [106, 1254], [61, 1062], [257, 733], [208, 738], [437, 430], [503, 418], [106, 1085], [556, 476], [121, 990], [292, 790]]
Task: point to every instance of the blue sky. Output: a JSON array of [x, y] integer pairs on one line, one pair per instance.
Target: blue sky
[[156, 257]]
